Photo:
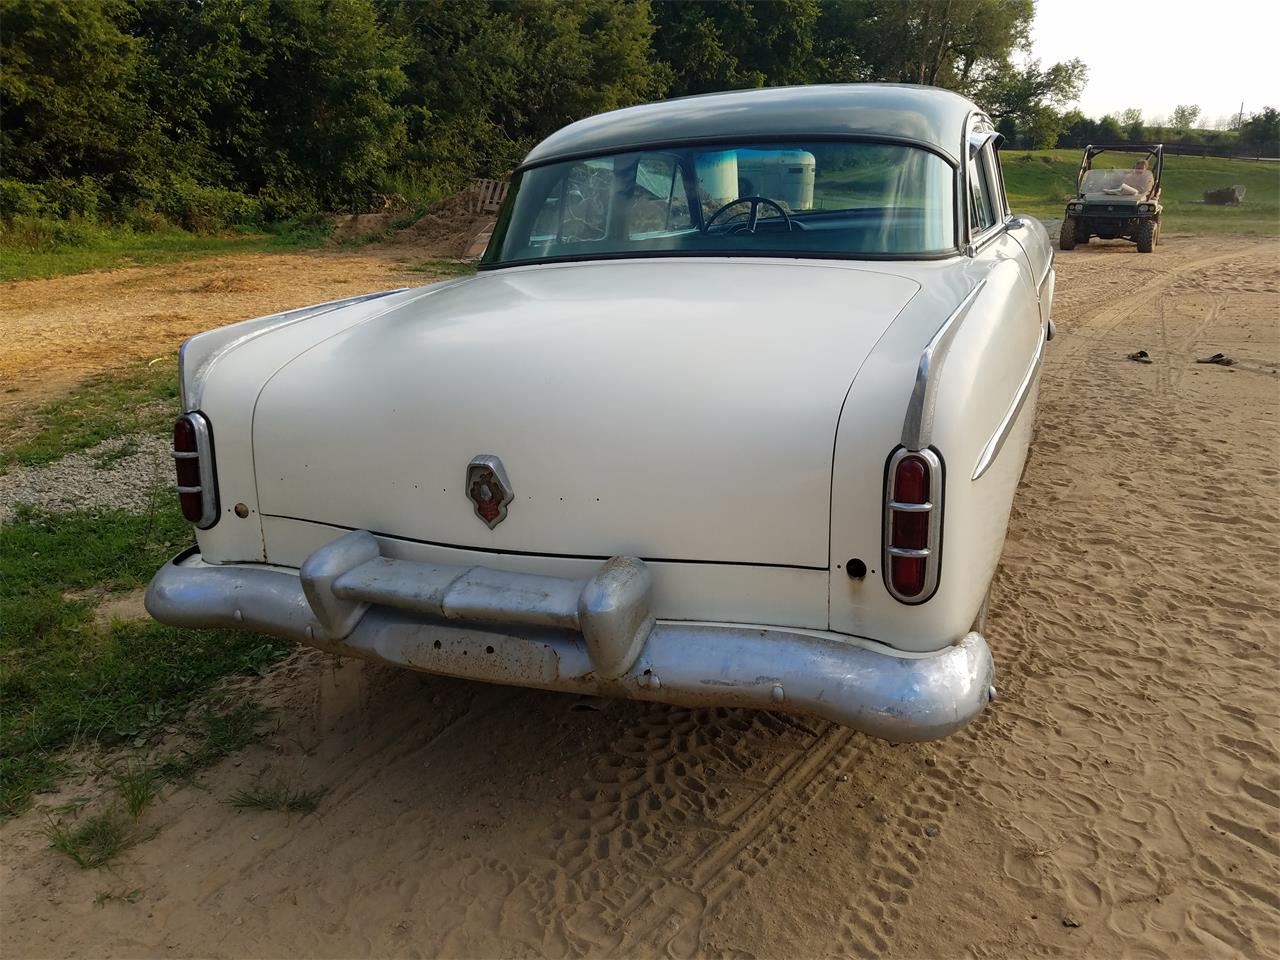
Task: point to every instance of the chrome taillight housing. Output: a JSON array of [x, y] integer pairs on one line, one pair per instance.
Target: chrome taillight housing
[[913, 489], [193, 462]]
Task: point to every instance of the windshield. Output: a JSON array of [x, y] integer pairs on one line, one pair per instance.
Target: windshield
[[820, 199], [1121, 182]]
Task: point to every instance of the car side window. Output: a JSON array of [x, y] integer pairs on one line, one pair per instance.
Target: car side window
[[547, 224], [981, 209], [996, 179], [586, 205], [659, 203]]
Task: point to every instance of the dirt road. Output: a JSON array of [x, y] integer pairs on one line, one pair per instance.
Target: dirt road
[[56, 332], [1122, 797]]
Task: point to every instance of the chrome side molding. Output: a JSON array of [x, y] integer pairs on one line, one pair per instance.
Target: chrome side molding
[[994, 445], [917, 428]]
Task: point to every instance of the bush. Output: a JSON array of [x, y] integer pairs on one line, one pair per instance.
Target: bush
[[202, 209], [43, 234], [67, 198], [18, 199], [279, 206], [143, 217]]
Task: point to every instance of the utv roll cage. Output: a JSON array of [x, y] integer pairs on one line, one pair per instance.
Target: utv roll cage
[[1153, 150]]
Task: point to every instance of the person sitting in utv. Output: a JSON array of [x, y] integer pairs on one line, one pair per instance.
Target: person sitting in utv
[[1136, 183]]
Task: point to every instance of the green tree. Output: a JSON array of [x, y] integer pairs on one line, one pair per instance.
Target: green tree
[[711, 45], [1109, 130], [1131, 121], [487, 79], [202, 62], [1184, 117], [1260, 134], [72, 109], [325, 91], [949, 43], [1025, 101], [1077, 128]]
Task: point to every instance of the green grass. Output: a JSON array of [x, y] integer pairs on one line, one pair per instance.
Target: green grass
[[137, 785], [444, 268], [67, 681], [24, 256], [214, 734], [99, 839], [131, 895], [1041, 182], [278, 796], [140, 399]]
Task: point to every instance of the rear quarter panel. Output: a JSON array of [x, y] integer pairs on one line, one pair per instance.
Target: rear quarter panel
[[224, 370], [984, 367]]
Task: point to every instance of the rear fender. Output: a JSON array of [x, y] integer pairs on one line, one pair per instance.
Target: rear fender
[[995, 346]]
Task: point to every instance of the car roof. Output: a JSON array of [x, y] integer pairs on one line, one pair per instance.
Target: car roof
[[925, 115]]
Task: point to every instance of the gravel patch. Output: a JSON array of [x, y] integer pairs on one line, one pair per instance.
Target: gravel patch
[[121, 472]]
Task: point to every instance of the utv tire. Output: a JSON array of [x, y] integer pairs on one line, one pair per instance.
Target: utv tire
[[1146, 236], [1067, 235]]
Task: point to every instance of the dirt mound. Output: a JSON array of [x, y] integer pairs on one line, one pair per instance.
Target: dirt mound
[[447, 227], [355, 226]]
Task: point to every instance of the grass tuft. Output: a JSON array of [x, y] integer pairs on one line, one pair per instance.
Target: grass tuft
[[138, 786], [104, 897], [217, 735], [278, 796], [99, 839], [109, 458]]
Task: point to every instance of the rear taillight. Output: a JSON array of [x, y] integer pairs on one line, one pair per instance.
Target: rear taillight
[[912, 524], [193, 462]]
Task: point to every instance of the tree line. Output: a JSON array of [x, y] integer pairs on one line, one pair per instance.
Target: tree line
[[212, 112]]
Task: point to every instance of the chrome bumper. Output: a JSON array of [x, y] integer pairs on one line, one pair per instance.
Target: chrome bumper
[[593, 636]]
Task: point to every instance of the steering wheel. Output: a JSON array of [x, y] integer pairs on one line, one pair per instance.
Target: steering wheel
[[753, 216]]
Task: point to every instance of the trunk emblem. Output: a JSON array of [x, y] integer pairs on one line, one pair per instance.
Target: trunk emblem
[[488, 488]]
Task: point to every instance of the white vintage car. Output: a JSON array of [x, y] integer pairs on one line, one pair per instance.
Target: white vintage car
[[732, 414]]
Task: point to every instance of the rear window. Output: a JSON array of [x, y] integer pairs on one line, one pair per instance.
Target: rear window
[[817, 199]]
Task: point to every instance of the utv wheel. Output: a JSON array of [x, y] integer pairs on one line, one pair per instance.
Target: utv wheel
[[1146, 236], [1067, 235]]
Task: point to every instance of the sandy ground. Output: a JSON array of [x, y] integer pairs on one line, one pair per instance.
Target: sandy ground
[[1121, 799]]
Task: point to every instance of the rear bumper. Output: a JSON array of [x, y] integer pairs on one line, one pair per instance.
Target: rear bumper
[[591, 636]]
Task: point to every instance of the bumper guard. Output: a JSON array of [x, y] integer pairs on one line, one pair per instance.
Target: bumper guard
[[593, 636]]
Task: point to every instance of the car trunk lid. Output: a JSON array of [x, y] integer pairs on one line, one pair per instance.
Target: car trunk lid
[[677, 409]]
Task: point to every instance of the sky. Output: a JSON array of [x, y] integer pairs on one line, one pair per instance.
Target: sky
[[1158, 54]]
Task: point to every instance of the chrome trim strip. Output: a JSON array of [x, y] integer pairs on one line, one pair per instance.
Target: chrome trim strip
[[994, 445], [900, 698], [911, 507], [917, 427], [181, 489], [930, 554], [1044, 280], [924, 554], [183, 454]]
